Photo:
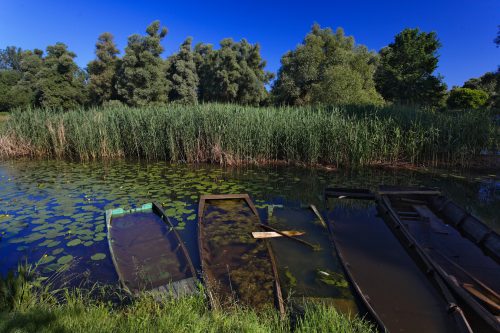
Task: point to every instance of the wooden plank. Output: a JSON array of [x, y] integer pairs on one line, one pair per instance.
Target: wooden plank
[[272, 234], [485, 299], [265, 226]]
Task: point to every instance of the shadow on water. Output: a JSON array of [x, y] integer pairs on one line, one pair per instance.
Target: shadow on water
[[53, 211]]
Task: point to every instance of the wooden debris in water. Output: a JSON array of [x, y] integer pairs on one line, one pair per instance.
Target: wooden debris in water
[[272, 234], [315, 210]]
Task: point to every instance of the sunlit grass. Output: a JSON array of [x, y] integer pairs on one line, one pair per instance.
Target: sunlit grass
[[233, 134], [64, 310]]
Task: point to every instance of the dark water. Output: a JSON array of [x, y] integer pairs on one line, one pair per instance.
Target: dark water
[[52, 212]]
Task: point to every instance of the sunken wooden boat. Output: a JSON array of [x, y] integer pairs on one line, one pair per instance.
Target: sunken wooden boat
[[237, 268], [148, 253], [459, 248], [399, 296]]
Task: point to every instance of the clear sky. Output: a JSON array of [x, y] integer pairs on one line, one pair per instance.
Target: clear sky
[[466, 28]]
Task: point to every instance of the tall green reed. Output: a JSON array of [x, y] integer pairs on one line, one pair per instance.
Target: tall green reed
[[226, 133]]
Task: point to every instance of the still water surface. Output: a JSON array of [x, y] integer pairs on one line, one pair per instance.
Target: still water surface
[[52, 212]]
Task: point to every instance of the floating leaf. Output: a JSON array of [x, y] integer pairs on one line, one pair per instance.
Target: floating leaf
[[89, 243], [53, 243], [98, 256], [57, 251], [46, 259], [65, 259], [74, 242]]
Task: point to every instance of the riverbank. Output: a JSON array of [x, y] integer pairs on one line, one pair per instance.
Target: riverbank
[[233, 135], [32, 308]]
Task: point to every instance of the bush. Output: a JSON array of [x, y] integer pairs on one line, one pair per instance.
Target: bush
[[466, 98]]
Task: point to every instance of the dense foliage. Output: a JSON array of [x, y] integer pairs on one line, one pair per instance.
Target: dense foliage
[[327, 68], [141, 77], [232, 134], [466, 98], [232, 74], [181, 72], [404, 75], [489, 83], [103, 71]]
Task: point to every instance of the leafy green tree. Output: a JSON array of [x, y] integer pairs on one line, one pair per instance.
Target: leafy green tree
[[182, 75], [10, 58], [233, 74], [490, 83], [404, 74], [327, 68], [10, 75], [60, 83], [103, 70], [8, 97], [141, 78], [466, 98], [26, 88]]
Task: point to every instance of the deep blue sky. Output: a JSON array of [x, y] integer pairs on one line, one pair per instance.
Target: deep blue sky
[[466, 28]]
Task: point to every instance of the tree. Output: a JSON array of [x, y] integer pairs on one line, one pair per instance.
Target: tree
[[182, 75], [26, 88], [8, 97], [10, 58], [233, 74], [60, 83], [466, 98], [327, 68], [141, 78], [10, 74], [404, 74], [103, 70], [490, 83]]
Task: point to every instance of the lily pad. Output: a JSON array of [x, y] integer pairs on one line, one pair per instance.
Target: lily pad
[[57, 251], [98, 256], [65, 259], [74, 242], [46, 259], [53, 243]]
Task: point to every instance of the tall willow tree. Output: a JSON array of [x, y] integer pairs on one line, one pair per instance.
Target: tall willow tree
[[232, 74], [182, 75], [102, 71], [405, 72], [141, 78], [327, 68], [60, 83]]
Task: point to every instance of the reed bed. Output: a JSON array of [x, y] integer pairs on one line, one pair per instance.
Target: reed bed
[[234, 134]]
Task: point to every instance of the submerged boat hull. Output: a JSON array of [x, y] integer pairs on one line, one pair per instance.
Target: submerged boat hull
[[398, 295], [148, 253], [458, 256], [237, 268]]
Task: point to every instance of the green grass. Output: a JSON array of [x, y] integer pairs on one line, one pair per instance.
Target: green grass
[[235, 134], [27, 306]]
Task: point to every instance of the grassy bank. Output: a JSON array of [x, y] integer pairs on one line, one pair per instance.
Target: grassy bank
[[237, 134], [27, 306]]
